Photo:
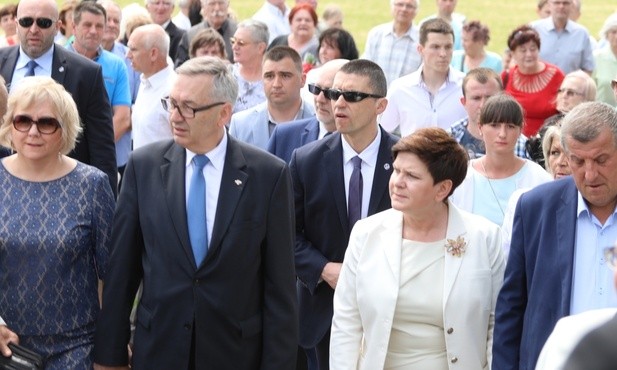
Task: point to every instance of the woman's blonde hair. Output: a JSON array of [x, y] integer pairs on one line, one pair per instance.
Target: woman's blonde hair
[[32, 91]]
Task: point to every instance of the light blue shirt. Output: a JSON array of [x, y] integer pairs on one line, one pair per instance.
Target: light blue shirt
[[592, 280], [491, 60], [569, 49], [42, 69]]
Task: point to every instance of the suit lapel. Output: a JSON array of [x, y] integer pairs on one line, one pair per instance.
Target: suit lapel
[[7, 64], [333, 161], [233, 181], [566, 229], [59, 65], [261, 132], [310, 133], [392, 239], [173, 175], [383, 170], [452, 264]]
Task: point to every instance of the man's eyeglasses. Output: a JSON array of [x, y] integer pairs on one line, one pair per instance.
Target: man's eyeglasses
[[406, 6], [316, 90], [45, 125], [240, 43], [349, 96], [186, 112], [610, 256], [27, 22], [569, 92]]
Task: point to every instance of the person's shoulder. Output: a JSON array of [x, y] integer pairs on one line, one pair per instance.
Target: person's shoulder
[[317, 147], [89, 173], [6, 50], [405, 82], [295, 126], [245, 117], [195, 29], [551, 191], [152, 151], [573, 26], [380, 29], [255, 156]]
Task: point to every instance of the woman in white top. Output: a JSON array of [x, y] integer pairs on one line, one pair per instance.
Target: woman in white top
[[493, 178], [419, 282]]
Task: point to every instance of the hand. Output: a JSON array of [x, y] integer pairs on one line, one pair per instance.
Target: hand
[[331, 272], [6, 337]]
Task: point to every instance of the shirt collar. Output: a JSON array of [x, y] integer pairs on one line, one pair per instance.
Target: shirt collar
[[44, 61], [368, 152], [296, 117], [216, 155], [583, 208]]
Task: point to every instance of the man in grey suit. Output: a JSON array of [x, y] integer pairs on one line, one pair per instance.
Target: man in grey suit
[[37, 26], [283, 78], [206, 222]]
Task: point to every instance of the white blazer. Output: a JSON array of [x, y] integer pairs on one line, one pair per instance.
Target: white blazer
[[367, 291]]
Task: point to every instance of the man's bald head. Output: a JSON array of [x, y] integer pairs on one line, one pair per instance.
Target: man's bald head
[[35, 39]]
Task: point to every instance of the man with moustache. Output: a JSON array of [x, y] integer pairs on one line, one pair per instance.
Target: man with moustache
[[216, 15]]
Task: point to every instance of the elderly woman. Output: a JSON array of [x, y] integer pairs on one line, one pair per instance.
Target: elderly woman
[[606, 61], [475, 38], [303, 38], [55, 226], [419, 282], [208, 42], [249, 46], [493, 178], [531, 82]]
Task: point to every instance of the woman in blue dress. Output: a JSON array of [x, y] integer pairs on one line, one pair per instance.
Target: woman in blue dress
[[55, 227]]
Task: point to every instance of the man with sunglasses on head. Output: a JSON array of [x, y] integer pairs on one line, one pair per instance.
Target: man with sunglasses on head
[[38, 55], [337, 181], [288, 137], [282, 78]]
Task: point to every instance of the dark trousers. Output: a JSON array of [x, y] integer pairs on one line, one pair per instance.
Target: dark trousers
[[318, 357]]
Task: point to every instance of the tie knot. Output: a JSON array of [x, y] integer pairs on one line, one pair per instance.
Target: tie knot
[[32, 64], [200, 161], [357, 162]]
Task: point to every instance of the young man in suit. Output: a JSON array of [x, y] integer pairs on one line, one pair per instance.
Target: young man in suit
[[207, 223], [283, 78], [329, 200], [555, 266], [288, 137], [37, 26]]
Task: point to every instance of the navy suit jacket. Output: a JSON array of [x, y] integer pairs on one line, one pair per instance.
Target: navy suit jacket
[[322, 226], [239, 304], [290, 136], [538, 279], [83, 79]]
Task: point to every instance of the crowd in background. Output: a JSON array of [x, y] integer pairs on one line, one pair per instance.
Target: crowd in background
[[426, 140]]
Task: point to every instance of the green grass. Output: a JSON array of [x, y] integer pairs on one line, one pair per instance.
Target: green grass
[[502, 16]]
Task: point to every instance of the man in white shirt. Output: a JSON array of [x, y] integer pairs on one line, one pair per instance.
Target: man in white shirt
[[430, 96], [394, 45], [148, 48], [274, 13], [182, 18]]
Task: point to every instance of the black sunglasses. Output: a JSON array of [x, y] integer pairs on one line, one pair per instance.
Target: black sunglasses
[[27, 22], [45, 125], [349, 96], [316, 90]]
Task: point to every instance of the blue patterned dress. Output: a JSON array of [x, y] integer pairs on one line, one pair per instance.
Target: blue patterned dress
[[54, 247]]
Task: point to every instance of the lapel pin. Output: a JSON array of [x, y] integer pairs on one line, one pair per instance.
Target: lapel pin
[[386, 166], [238, 182], [61, 69]]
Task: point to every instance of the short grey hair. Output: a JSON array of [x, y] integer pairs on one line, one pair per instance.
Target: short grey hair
[[552, 133], [259, 30], [586, 121], [225, 86], [154, 36], [589, 85], [609, 23]]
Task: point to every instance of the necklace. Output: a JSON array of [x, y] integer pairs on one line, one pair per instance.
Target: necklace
[[490, 185]]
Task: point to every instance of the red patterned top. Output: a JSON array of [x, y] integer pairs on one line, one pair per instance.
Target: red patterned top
[[535, 92]]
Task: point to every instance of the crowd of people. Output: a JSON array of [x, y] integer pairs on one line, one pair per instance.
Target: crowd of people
[[198, 191]]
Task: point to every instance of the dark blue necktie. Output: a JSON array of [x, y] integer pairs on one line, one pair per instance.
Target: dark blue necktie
[[354, 202], [31, 66], [196, 210]]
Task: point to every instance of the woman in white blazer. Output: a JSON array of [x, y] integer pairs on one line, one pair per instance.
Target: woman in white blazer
[[419, 282]]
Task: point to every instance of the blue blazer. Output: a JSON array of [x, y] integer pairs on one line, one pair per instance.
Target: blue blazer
[[538, 279], [290, 136], [322, 226], [251, 125]]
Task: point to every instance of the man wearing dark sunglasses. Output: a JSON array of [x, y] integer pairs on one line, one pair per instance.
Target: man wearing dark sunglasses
[[37, 26], [337, 181]]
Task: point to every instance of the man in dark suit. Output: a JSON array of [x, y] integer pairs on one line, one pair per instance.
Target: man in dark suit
[[216, 15], [555, 267], [286, 138], [218, 288], [82, 78], [160, 11], [322, 173]]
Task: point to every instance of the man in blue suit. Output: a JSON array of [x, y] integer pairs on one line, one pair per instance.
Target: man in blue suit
[[556, 266], [322, 173], [286, 138], [283, 79]]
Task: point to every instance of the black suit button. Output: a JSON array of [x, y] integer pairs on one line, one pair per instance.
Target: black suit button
[[450, 331], [187, 326], [196, 282]]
